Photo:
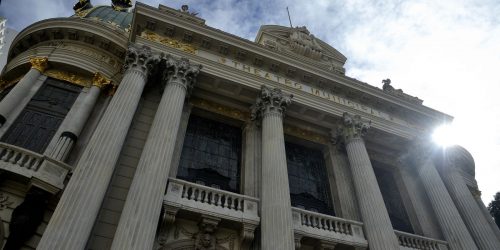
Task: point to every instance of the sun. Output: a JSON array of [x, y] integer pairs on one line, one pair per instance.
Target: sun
[[445, 135]]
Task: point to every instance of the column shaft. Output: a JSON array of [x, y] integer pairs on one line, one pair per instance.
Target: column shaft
[[251, 159], [344, 184], [452, 226], [276, 222], [16, 95], [73, 219], [139, 219], [488, 216], [378, 227], [73, 124], [478, 227]]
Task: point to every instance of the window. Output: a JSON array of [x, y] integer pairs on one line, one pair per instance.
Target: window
[[307, 177], [392, 200], [211, 154], [38, 122]]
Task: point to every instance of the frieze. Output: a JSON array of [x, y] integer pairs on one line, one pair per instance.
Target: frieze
[[151, 36], [94, 54], [69, 77], [305, 134], [220, 109]]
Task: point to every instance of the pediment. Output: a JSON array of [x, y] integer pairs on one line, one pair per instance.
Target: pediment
[[301, 42]]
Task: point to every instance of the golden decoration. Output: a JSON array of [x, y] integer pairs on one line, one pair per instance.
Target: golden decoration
[[151, 36], [69, 77], [7, 83], [220, 109], [305, 134], [99, 80], [39, 63]]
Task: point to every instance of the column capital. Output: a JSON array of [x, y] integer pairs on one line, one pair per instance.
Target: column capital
[[180, 71], [140, 58], [99, 80], [351, 127], [270, 101], [39, 63]]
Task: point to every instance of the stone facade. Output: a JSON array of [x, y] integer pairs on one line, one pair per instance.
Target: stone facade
[[181, 136]]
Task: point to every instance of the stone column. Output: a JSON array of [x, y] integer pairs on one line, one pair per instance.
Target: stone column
[[76, 212], [251, 159], [339, 165], [471, 213], [477, 196], [141, 213], [16, 95], [76, 119], [454, 230], [378, 227], [181, 134], [276, 213]]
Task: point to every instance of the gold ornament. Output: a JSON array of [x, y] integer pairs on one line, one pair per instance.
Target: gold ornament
[[148, 35], [39, 63], [99, 80]]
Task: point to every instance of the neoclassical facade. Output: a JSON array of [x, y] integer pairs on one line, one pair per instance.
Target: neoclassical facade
[[145, 128]]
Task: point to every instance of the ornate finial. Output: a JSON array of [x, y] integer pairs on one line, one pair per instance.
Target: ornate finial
[[270, 101], [181, 72], [140, 58], [99, 80], [39, 63], [352, 127], [121, 5], [82, 5]]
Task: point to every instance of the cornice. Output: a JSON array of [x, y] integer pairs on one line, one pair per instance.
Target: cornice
[[116, 36], [244, 44]]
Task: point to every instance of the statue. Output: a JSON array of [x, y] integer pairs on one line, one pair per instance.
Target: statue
[[82, 5], [185, 9], [121, 5]]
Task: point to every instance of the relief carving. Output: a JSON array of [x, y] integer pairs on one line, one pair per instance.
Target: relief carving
[[398, 92], [304, 43]]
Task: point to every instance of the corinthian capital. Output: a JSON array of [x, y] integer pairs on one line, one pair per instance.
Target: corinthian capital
[[39, 63], [140, 58], [180, 71], [351, 127], [270, 101]]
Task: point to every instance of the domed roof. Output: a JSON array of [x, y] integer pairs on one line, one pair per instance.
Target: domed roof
[[461, 159], [107, 14]]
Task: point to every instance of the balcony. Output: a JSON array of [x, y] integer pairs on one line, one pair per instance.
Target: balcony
[[44, 172], [327, 229], [411, 241]]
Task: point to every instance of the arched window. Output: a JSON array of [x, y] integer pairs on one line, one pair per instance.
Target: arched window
[[307, 177], [38, 122], [211, 154]]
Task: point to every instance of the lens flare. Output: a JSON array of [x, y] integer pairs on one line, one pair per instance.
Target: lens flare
[[444, 135]]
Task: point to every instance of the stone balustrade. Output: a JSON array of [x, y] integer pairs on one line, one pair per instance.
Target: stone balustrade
[[199, 198], [412, 241], [328, 228], [45, 172]]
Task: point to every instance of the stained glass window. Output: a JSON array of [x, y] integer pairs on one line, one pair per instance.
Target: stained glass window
[[307, 177], [211, 154]]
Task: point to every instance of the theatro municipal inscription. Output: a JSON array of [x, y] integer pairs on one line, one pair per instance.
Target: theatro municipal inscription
[[325, 94]]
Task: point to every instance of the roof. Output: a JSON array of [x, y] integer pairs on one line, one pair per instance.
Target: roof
[[107, 14]]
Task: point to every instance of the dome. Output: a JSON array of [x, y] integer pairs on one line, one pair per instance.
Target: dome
[[107, 14], [461, 159]]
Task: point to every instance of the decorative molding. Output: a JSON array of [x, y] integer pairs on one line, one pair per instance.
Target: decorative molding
[[220, 109], [170, 42], [305, 134], [270, 101], [99, 80], [73, 78], [399, 92], [7, 83], [39, 63], [5, 202]]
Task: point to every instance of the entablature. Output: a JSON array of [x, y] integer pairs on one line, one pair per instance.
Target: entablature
[[231, 47]]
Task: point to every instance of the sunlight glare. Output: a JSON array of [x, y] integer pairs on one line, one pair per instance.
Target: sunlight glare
[[444, 135]]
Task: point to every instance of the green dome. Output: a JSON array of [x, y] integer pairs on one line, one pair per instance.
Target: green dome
[[107, 14]]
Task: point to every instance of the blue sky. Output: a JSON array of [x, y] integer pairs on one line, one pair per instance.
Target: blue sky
[[445, 52]]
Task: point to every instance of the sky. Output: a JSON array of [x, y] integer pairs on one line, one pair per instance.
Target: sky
[[445, 52]]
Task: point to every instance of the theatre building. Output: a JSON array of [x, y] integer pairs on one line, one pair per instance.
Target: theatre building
[[141, 127]]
